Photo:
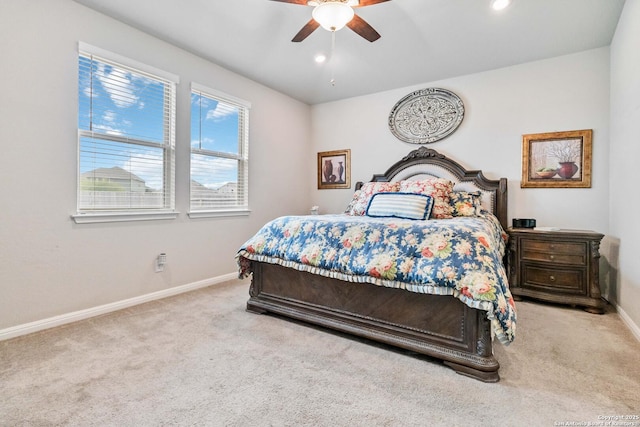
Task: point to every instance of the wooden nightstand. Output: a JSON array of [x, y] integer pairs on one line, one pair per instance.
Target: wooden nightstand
[[558, 266]]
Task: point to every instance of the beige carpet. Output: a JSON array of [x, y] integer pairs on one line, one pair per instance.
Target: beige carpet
[[199, 359]]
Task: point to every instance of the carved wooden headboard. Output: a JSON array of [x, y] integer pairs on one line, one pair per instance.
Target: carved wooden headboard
[[425, 163]]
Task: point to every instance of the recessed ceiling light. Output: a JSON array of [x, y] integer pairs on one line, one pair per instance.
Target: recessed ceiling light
[[320, 58], [500, 4]]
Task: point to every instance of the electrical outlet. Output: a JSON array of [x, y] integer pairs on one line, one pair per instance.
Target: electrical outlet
[[161, 260]]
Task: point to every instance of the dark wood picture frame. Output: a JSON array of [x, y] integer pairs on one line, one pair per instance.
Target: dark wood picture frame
[[334, 169], [557, 159]]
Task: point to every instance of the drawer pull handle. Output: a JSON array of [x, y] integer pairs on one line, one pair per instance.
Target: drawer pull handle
[[552, 278], [551, 257]]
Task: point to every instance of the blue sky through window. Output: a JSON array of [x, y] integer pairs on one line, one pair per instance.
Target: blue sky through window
[[118, 102], [215, 127], [115, 101]]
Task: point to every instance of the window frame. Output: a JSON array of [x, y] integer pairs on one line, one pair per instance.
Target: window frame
[[242, 157], [168, 145]]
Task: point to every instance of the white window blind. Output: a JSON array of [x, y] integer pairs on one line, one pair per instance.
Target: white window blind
[[126, 135], [219, 153]]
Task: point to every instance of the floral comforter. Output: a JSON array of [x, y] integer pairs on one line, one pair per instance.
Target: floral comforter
[[461, 256]]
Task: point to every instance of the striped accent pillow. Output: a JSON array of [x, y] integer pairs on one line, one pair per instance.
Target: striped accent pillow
[[400, 205]]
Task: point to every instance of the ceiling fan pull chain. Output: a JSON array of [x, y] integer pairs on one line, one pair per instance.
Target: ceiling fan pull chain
[[333, 48]]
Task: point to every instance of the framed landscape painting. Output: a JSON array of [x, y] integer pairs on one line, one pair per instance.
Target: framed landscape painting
[[334, 169], [557, 159]]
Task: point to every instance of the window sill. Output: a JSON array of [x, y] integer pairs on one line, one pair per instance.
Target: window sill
[[90, 218], [216, 214]]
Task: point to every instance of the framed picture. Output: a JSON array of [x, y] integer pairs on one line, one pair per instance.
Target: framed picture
[[334, 169], [557, 159]]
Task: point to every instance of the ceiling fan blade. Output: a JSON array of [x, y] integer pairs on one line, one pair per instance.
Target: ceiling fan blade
[[362, 28], [364, 3], [309, 28], [302, 2]]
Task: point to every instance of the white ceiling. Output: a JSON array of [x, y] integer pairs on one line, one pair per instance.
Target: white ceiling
[[422, 40]]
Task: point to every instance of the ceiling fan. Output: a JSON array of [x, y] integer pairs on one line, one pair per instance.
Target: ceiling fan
[[333, 15]]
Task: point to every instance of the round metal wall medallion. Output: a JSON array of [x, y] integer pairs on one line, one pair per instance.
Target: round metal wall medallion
[[426, 115]]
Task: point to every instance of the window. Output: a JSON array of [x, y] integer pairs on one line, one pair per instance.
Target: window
[[219, 153], [126, 139]]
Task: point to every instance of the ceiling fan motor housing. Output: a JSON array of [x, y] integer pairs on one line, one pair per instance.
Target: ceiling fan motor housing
[[333, 15]]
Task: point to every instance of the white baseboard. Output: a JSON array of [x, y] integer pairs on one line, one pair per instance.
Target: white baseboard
[[51, 322], [635, 330]]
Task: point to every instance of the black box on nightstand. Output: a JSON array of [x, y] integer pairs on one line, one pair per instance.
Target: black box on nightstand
[[524, 223]]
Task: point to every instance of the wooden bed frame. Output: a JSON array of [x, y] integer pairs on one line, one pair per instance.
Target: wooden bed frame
[[438, 326]]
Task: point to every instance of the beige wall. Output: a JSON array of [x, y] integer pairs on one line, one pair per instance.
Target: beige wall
[[624, 155], [49, 265]]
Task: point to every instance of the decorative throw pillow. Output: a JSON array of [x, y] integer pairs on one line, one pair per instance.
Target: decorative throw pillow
[[438, 188], [466, 203], [400, 205], [351, 206], [361, 198]]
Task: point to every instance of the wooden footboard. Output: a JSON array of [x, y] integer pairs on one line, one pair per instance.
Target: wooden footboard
[[438, 326]]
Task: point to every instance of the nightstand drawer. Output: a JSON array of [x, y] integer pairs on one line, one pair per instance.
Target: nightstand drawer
[[573, 253], [544, 278]]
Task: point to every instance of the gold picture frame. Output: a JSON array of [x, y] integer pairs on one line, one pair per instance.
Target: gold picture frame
[[334, 169], [557, 159]]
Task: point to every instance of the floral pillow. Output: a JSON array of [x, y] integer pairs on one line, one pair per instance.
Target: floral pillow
[[360, 201], [438, 188], [465, 203]]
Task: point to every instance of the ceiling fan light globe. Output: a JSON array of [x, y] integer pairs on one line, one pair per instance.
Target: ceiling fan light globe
[[500, 4], [332, 16]]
